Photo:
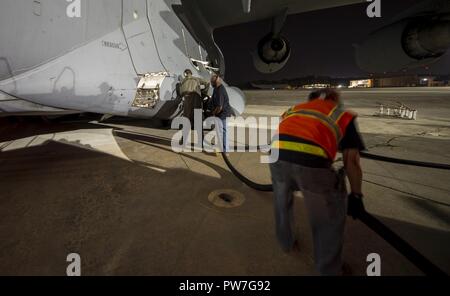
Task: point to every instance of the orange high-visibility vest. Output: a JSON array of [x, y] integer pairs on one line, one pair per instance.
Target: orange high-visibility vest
[[321, 122]]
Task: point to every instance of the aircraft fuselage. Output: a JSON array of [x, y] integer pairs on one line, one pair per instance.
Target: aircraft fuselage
[[54, 58]]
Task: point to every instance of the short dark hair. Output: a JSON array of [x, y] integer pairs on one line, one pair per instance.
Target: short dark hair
[[187, 72], [331, 94], [314, 95]]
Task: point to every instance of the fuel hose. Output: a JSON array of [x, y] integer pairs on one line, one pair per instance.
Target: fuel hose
[[410, 253], [245, 180], [414, 256], [416, 163]]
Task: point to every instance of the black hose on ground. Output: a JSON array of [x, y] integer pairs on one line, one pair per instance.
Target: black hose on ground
[[440, 166], [366, 155], [422, 263], [245, 180]]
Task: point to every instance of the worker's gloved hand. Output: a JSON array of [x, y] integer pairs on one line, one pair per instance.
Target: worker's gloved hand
[[355, 205]]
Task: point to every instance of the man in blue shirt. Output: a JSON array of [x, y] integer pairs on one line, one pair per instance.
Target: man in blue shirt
[[220, 106]]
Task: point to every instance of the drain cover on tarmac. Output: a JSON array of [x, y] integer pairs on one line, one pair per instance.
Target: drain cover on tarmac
[[226, 198]]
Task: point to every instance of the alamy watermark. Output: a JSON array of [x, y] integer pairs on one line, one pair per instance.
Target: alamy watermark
[[235, 134], [73, 9], [374, 8], [74, 267], [374, 267]]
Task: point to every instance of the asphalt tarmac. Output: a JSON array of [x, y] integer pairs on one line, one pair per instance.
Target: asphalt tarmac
[[117, 194]]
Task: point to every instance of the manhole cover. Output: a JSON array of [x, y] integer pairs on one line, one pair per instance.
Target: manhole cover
[[226, 198]]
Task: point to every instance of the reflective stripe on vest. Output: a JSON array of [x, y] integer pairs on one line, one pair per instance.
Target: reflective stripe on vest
[[330, 121], [336, 113], [300, 147]]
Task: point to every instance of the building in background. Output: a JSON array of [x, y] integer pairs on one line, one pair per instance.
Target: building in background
[[270, 86], [397, 81], [400, 81], [316, 86], [432, 81], [380, 81], [363, 83]]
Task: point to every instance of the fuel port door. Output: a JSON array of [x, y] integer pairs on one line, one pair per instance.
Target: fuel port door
[[148, 90]]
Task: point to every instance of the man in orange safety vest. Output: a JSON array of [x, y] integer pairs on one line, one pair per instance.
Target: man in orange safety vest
[[308, 140]]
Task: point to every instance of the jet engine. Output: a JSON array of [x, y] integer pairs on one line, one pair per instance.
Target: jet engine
[[272, 54], [409, 43]]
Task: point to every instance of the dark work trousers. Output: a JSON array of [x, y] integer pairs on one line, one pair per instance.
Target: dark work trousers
[[192, 101], [325, 197]]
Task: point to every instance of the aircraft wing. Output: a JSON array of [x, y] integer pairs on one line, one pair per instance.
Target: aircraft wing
[[403, 44], [231, 12], [203, 16]]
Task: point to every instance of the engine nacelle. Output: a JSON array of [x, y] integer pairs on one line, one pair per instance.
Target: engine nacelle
[[403, 45], [272, 54], [237, 100]]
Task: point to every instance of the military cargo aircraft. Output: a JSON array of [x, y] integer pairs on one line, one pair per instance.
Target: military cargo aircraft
[[126, 57]]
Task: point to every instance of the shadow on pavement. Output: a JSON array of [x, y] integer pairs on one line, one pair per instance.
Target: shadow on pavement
[[126, 219]]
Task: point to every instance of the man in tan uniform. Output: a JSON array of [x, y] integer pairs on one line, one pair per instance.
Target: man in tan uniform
[[193, 89]]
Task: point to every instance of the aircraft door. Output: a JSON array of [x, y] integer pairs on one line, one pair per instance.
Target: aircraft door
[[139, 37], [174, 42]]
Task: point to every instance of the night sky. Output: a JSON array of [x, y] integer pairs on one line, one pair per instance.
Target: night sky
[[321, 43]]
